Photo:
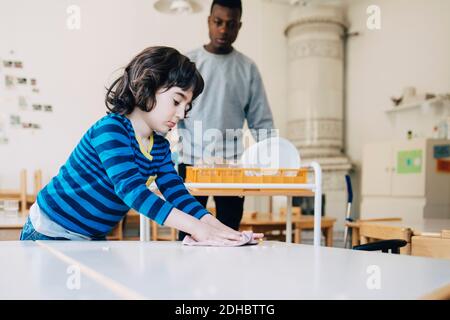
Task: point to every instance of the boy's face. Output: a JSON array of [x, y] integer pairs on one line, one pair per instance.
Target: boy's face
[[170, 108], [224, 24]]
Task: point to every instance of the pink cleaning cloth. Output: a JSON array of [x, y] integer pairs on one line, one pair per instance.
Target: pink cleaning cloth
[[246, 239]]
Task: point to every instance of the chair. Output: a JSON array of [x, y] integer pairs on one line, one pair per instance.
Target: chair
[[432, 246], [37, 182], [392, 245], [19, 195], [374, 237], [355, 225]]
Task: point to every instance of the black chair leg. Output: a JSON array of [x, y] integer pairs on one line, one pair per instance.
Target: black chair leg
[[393, 245]]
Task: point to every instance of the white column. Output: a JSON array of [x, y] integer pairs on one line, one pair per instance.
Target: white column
[[316, 95]]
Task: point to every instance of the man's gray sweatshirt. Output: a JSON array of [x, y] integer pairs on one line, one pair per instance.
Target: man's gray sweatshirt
[[234, 92]]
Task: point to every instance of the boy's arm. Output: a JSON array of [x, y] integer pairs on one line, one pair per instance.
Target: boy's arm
[[113, 146], [199, 230], [172, 187]]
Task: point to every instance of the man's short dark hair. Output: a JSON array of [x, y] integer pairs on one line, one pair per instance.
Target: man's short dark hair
[[233, 4]]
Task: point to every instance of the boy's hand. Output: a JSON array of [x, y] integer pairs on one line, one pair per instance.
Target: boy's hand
[[206, 232], [212, 221]]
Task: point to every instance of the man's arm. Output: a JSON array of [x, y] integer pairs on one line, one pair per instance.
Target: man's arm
[[257, 111]]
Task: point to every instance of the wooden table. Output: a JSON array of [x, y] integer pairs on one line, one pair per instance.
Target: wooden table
[[302, 222], [281, 190], [211, 189], [11, 226], [427, 237]]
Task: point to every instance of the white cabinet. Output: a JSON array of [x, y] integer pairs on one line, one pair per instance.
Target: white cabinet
[[377, 166], [402, 178]]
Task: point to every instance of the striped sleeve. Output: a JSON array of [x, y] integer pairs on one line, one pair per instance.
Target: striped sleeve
[[112, 143], [172, 187]]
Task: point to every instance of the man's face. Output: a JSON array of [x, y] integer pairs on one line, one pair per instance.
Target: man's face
[[224, 24]]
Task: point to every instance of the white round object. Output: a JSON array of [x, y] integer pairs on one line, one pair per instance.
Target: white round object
[[273, 153]]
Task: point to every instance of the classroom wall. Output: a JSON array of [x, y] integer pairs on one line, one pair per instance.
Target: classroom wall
[[72, 67], [412, 48]]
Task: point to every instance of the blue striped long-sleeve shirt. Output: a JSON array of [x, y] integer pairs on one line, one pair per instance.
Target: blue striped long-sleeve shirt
[[107, 174]]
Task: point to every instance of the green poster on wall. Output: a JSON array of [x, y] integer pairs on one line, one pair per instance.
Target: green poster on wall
[[409, 161]]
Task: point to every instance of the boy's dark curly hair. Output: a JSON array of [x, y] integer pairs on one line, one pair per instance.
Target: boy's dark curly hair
[[152, 69]]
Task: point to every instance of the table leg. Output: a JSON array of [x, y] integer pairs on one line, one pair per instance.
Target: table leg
[[317, 202], [144, 229], [329, 237], [363, 240], [355, 236], [297, 235], [289, 220]]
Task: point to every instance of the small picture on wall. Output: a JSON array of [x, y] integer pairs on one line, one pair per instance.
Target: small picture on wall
[[37, 107], [22, 80], [3, 140], [33, 82], [7, 64], [31, 125], [23, 102], [48, 108], [9, 81], [35, 90], [14, 120], [18, 64]]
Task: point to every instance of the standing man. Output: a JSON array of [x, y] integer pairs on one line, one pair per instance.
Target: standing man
[[234, 92]]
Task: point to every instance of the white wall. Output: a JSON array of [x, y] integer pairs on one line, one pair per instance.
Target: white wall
[[412, 48], [73, 66]]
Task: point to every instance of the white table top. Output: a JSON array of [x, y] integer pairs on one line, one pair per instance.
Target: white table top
[[168, 270], [30, 272]]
